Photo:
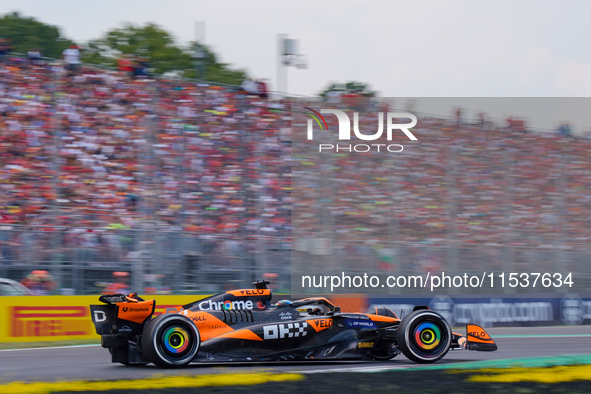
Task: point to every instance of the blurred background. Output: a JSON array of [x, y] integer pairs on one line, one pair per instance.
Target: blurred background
[[471, 195], [136, 157]]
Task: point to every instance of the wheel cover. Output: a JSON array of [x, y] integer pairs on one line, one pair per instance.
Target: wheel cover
[[176, 340], [427, 336], [429, 339]]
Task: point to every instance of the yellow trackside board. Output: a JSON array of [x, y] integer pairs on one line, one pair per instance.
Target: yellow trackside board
[[59, 318]]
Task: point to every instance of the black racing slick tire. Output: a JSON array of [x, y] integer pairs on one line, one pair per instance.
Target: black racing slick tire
[[424, 336], [170, 341]]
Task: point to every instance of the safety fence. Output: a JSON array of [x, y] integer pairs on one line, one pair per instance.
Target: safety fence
[[500, 269], [82, 260]]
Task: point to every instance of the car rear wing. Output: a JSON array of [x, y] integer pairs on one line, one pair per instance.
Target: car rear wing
[[123, 315], [117, 298]]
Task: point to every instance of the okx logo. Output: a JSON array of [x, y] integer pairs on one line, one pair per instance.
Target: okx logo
[[393, 124]]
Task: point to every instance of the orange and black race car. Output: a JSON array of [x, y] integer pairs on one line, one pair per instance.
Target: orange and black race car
[[243, 325]]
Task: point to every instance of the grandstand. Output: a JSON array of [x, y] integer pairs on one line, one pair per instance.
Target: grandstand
[[100, 172]]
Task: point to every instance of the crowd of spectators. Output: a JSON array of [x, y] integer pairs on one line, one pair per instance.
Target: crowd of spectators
[[92, 152], [466, 183]]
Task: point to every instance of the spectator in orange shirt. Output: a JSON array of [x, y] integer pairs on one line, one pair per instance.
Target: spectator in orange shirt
[[120, 284]]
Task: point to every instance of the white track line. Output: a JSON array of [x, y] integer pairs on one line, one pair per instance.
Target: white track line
[[352, 369], [48, 347]]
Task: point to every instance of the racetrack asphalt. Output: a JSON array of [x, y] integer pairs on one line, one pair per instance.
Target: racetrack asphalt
[[92, 362]]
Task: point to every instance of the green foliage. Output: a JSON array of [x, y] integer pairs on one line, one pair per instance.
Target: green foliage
[[206, 66], [158, 46], [27, 33], [349, 87], [150, 42]]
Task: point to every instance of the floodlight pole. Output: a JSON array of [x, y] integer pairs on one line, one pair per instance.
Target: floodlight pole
[[286, 56], [281, 67]]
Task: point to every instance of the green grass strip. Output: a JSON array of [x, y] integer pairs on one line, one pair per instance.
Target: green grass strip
[[526, 362]]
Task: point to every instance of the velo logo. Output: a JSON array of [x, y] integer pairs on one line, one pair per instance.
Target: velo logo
[[392, 123]]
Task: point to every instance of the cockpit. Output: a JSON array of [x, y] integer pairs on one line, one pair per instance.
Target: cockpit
[[310, 306]]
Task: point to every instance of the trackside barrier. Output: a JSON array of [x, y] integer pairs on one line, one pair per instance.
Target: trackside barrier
[[496, 311], [58, 318]]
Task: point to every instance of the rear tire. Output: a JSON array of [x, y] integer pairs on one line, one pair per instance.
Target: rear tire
[[170, 341], [424, 336]]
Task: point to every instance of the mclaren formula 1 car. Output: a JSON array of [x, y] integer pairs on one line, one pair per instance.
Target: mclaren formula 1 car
[[243, 325]]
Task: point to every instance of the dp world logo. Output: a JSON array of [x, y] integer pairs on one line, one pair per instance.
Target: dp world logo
[[393, 123]]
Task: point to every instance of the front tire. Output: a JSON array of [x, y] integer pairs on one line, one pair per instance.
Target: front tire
[[170, 341], [424, 336]]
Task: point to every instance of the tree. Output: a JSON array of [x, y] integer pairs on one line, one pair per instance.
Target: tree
[[150, 42], [350, 87], [209, 68], [27, 33], [159, 48]]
